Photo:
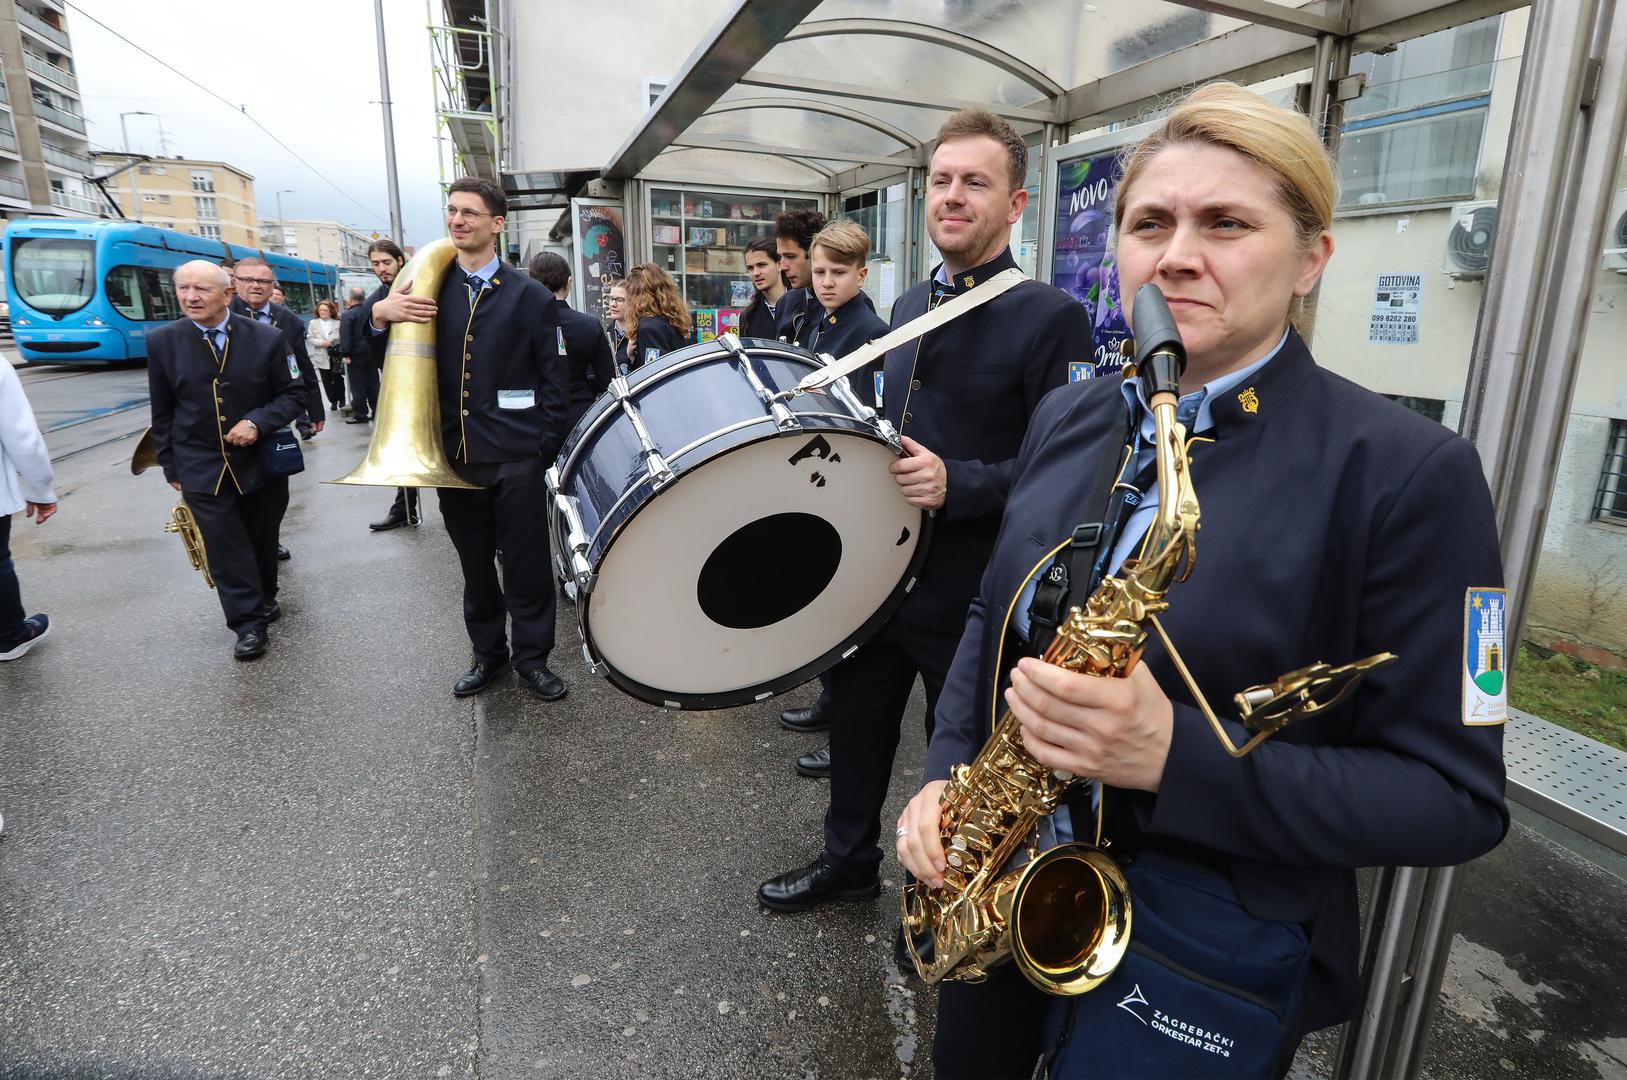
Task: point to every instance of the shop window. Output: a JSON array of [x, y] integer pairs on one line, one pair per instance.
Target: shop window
[[1416, 131], [1610, 504], [700, 238]]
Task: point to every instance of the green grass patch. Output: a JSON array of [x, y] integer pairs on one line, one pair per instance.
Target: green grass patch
[[1572, 693]]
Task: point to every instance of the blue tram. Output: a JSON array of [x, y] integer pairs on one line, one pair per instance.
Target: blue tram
[[86, 291]]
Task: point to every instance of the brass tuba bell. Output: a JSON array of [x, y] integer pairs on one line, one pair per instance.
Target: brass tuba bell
[[406, 450]]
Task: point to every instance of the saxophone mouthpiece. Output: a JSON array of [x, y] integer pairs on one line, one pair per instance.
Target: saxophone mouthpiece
[[1160, 353]]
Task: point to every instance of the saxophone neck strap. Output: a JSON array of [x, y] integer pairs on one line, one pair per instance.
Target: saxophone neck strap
[[941, 315]]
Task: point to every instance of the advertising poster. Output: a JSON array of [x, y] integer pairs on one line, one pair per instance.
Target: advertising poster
[[1396, 303], [1082, 255], [600, 252]]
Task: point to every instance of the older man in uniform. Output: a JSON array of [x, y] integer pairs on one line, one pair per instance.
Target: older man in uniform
[[961, 398], [219, 384], [503, 403]]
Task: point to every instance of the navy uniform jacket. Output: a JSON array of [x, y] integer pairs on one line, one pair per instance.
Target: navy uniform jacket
[[839, 332], [190, 425], [293, 330], [1335, 525], [966, 393], [498, 370], [376, 343], [353, 333], [791, 312], [656, 337], [589, 368], [757, 320]]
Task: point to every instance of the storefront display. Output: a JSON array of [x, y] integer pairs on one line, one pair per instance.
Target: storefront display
[[700, 238]]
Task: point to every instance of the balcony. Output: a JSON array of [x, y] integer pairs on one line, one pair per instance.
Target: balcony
[[60, 117], [64, 159], [69, 200], [12, 187], [50, 72], [8, 140], [30, 21]]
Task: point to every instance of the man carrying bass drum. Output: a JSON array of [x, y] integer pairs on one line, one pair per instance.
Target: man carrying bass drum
[[1335, 525], [961, 398]]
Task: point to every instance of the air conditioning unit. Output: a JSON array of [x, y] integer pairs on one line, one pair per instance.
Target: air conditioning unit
[[1615, 234], [1468, 241]]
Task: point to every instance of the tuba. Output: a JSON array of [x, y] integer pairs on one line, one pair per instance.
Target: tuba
[[181, 521], [1063, 917], [406, 449]]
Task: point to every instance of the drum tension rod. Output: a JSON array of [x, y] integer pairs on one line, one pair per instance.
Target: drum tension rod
[[659, 470], [784, 418]]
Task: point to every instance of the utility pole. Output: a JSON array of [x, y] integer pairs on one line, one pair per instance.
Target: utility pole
[[124, 130], [389, 128]]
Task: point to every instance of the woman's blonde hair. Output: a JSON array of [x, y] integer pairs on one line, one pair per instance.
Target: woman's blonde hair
[[651, 293], [846, 241], [1280, 140]]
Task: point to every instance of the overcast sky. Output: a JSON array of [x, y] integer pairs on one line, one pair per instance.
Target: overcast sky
[[308, 72]]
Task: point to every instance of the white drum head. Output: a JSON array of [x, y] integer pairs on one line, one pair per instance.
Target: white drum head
[[753, 565]]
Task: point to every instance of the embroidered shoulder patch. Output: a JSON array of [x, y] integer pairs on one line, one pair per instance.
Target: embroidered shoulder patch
[[293, 366], [1080, 370], [881, 380], [1485, 657]]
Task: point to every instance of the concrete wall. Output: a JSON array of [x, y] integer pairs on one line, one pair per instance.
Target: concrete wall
[[1580, 591]]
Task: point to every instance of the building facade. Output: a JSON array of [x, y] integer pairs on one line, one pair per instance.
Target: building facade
[[204, 198], [321, 241], [44, 156]]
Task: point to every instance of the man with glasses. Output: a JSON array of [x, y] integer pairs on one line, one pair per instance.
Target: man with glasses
[[503, 398]]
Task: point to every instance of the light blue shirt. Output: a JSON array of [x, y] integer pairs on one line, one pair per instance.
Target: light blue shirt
[[219, 329], [487, 272]]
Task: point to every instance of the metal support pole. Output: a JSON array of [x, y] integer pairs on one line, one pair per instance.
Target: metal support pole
[[135, 185], [391, 178], [1558, 178]]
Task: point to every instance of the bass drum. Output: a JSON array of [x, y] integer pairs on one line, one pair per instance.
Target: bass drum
[[726, 541]]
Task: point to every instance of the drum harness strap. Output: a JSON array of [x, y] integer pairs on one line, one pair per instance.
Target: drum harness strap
[[939, 316]]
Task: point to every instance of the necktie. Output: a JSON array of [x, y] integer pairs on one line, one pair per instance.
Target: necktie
[[263, 316], [941, 291], [476, 285], [211, 339]]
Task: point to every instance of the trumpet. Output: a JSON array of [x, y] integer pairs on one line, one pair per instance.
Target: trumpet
[[181, 521]]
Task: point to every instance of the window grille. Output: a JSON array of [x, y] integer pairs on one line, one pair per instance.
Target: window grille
[[1610, 504]]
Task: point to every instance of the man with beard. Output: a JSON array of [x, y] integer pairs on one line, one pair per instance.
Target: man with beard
[[960, 397]]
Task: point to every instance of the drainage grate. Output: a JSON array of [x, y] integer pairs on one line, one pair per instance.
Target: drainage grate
[[1567, 777]]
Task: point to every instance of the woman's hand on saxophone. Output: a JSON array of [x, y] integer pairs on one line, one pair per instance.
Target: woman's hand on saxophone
[[1113, 730], [920, 844]]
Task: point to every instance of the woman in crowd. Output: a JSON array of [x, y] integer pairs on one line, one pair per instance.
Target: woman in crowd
[[322, 340], [654, 318], [1335, 525]]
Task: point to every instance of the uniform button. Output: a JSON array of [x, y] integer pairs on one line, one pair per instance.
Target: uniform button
[[466, 393], [915, 384], [468, 375], [466, 359], [469, 337], [222, 419], [465, 412], [908, 418]]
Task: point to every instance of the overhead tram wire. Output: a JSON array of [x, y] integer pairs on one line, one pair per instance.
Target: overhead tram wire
[[240, 110]]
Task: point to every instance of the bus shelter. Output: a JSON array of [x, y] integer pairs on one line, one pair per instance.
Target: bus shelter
[[1479, 276]]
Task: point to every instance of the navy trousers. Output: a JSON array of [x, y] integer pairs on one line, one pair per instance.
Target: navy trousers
[[364, 386], [240, 539], [508, 515]]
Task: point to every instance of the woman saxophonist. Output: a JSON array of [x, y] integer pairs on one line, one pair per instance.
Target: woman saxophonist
[[1336, 524]]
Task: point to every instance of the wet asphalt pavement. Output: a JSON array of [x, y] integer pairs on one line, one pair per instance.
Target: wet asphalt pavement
[[323, 865]]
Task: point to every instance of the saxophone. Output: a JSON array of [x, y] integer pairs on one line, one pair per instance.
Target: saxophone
[[1064, 916]]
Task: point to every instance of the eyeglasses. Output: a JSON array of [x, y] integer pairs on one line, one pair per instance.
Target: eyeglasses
[[458, 213], [256, 280]]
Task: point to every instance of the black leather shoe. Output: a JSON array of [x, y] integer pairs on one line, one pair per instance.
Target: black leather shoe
[[816, 764], [359, 420], [817, 883], [478, 677], [812, 718], [250, 644], [283, 554], [391, 521], [271, 612], [544, 683]]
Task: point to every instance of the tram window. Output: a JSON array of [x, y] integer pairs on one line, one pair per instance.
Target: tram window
[[297, 295], [53, 276], [142, 293]]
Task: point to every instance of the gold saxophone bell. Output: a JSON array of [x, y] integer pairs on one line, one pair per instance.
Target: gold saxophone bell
[[181, 521], [406, 450]]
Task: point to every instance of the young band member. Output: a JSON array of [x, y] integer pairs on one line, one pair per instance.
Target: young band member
[[762, 265], [846, 321], [386, 259], [961, 398], [219, 383], [1335, 525], [584, 346], [654, 319], [503, 399], [616, 297], [794, 231]]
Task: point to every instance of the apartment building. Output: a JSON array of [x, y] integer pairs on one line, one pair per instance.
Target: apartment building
[[321, 241], [44, 156], [205, 198]]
